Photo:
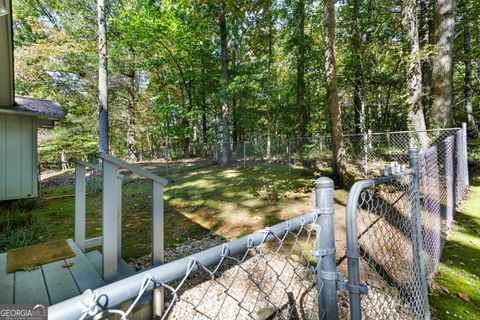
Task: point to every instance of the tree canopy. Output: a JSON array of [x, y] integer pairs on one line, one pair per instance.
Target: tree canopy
[[165, 69]]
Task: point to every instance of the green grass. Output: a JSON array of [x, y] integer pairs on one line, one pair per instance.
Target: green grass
[[228, 201], [459, 271]]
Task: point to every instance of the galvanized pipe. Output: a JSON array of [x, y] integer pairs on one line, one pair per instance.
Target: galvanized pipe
[[417, 232], [353, 253], [325, 250]]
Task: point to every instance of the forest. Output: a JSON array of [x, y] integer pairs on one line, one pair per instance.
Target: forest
[[178, 73]]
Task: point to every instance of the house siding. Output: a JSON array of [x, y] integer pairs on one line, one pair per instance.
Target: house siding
[[18, 153]]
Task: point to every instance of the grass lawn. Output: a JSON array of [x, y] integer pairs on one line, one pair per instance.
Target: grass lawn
[[228, 201], [231, 202], [456, 291]]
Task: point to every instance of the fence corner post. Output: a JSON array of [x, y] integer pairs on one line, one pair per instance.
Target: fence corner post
[[465, 154], [325, 250], [417, 232]]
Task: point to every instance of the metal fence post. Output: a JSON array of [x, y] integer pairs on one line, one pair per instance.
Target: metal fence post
[[80, 200], [417, 234], [244, 154], [325, 250], [465, 155], [365, 151], [289, 151], [455, 173], [167, 154]]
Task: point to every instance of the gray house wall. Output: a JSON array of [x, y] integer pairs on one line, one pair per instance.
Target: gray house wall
[[18, 157]]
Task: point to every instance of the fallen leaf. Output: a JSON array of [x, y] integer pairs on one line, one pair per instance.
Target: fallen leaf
[[463, 296], [68, 264]]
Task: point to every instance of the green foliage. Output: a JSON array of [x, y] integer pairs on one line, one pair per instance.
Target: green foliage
[[164, 69], [20, 228]]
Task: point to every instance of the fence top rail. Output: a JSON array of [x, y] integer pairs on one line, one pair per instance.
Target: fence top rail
[[359, 186], [346, 135], [133, 168], [87, 164], [128, 288]]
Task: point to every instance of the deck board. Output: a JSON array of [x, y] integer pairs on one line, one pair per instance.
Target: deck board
[[59, 281], [83, 271], [6, 281], [30, 287], [51, 283]]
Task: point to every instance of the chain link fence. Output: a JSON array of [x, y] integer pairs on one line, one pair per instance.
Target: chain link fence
[[396, 226], [399, 225], [365, 153]]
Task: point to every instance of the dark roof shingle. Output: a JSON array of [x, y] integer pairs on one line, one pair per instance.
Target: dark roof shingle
[[44, 108]]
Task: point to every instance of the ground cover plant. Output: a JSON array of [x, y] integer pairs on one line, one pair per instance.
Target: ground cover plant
[[225, 201], [456, 290]]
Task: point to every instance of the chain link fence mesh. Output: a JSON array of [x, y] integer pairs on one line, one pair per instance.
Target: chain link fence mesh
[[388, 262], [277, 279]]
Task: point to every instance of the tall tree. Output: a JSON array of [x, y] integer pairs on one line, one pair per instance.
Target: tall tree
[[414, 70], [132, 91], [224, 80], [467, 60], [360, 97], [301, 52], [424, 28], [339, 162], [102, 78], [442, 73]]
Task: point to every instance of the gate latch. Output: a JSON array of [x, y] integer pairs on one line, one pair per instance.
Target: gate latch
[[342, 284]]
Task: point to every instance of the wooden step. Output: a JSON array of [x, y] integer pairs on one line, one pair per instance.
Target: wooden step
[[50, 283]]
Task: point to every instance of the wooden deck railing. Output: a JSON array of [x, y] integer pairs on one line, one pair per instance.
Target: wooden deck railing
[[111, 239]]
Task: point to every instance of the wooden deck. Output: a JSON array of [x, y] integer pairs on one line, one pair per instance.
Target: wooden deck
[[52, 283]]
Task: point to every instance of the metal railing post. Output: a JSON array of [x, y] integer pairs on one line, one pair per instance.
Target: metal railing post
[[80, 201], [417, 234], [109, 221], [158, 249], [465, 155], [325, 250]]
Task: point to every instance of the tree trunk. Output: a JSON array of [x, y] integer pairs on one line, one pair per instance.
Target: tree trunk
[[302, 106], [339, 162], [442, 73], [414, 73], [360, 98], [131, 120], [424, 38], [224, 80], [467, 89], [102, 79]]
